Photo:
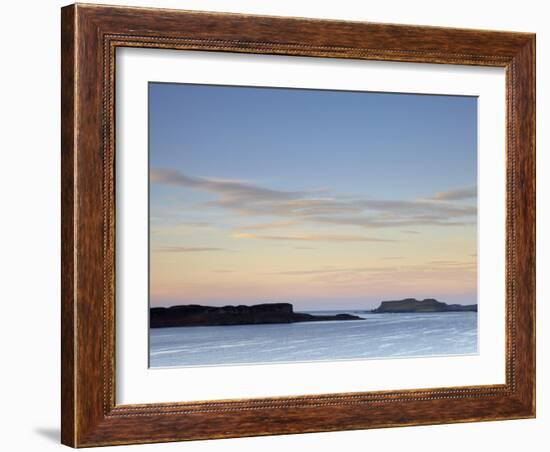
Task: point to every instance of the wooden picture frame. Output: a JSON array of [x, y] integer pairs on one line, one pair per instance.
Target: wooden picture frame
[[90, 36]]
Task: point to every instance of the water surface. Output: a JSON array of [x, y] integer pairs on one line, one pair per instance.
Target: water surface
[[378, 336]]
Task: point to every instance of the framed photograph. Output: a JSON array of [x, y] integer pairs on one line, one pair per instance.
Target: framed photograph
[[281, 225]]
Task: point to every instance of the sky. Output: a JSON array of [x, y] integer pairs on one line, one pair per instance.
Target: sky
[[323, 199]]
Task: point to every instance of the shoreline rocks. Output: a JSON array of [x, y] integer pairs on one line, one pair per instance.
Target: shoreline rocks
[[198, 315]]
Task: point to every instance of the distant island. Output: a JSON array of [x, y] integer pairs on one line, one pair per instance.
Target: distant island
[[409, 305], [197, 315]]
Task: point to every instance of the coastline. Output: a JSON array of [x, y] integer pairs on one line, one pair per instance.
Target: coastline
[[267, 313], [274, 313]]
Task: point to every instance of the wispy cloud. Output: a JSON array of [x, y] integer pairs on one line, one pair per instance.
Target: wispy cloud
[[314, 207], [197, 224], [187, 249], [394, 220], [327, 271], [270, 225], [450, 263], [391, 274], [457, 194], [409, 276], [314, 237], [229, 188]]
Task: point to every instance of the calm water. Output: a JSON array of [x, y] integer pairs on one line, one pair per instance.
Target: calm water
[[378, 336]]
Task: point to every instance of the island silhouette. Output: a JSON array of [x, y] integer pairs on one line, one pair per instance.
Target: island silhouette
[[270, 313], [197, 315], [409, 305]]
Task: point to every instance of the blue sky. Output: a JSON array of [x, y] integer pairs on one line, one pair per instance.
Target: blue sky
[[392, 174]]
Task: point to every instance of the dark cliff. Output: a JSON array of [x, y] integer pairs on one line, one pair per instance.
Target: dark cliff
[[197, 315], [427, 305]]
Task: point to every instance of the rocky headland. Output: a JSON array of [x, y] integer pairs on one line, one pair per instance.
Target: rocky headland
[[197, 315], [411, 305]]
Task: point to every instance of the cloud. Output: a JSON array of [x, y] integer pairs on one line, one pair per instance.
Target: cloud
[[230, 189], [164, 226], [418, 207], [197, 224], [410, 276], [413, 275], [291, 208], [187, 249], [333, 270], [271, 225], [450, 263], [457, 194], [314, 237], [391, 221]]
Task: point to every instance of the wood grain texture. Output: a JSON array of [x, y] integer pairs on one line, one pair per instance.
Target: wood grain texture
[[67, 225], [90, 36]]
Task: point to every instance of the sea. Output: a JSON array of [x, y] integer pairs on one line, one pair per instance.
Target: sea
[[378, 336]]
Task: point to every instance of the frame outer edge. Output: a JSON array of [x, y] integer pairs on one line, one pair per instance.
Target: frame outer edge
[[525, 62], [68, 211], [86, 418], [534, 225]]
